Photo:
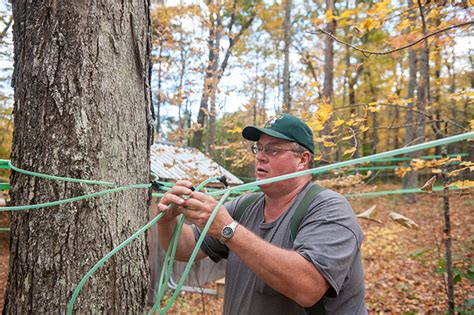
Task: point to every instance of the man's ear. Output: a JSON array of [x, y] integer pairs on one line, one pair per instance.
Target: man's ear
[[304, 160]]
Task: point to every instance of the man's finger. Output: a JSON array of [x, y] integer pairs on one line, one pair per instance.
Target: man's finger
[[201, 197], [185, 183], [180, 190]]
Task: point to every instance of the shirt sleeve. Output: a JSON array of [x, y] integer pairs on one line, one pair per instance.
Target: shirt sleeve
[[211, 246], [327, 238]]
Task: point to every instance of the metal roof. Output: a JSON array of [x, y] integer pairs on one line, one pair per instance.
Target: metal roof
[[172, 163]]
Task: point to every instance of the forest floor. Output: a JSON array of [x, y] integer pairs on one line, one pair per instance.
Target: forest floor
[[400, 264]]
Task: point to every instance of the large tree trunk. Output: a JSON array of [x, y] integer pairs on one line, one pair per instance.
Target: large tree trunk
[[82, 106]]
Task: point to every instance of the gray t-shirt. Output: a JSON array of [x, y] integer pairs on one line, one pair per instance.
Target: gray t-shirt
[[329, 237]]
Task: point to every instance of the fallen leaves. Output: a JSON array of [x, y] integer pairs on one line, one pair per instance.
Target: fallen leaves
[[403, 221], [369, 214], [428, 186]]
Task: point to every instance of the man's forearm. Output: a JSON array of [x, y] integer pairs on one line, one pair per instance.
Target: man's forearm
[[186, 242], [284, 270]]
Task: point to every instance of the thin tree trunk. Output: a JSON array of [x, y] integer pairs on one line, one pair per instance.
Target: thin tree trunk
[[328, 75], [208, 81], [159, 93], [447, 237], [82, 109], [286, 53], [437, 96], [211, 135], [411, 179], [373, 115], [213, 77], [182, 72]]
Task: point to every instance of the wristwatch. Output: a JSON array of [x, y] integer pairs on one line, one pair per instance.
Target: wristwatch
[[228, 231]]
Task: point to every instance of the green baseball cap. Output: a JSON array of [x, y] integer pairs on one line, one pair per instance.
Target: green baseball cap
[[283, 126]]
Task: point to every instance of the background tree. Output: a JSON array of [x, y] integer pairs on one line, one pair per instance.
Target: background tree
[[82, 104], [237, 14]]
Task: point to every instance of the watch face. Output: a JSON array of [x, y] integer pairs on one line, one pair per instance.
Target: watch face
[[227, 232]]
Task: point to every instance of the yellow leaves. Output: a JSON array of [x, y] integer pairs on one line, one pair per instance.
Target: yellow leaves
[[462, 184], [350, 151], [471, 124], [467, 165], [330, 16], [461, 95], [328, 144], [344, 181], [324, 112], [6, 132], [404, 24], [317, 21], [402, 171], [236, 129], [338, 123], [380, 9], [367, 24], [364, 128], [321, 116], [374, 107]]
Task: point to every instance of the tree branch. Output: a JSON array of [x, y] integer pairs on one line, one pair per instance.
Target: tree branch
[[371, 52], [404, 108]]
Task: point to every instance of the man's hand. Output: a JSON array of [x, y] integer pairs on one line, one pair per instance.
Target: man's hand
[[198, 208], [173, 199]]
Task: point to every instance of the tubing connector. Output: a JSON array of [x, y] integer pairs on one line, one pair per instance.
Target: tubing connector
[[223, 180]]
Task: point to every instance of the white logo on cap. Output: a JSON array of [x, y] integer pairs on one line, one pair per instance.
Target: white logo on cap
[[272, 120]]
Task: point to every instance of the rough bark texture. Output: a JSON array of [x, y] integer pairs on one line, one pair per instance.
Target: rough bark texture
[[82, 107]]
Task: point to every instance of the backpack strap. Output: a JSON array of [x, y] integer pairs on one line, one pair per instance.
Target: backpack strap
[[245, 204], [300, 212], [303, 208]]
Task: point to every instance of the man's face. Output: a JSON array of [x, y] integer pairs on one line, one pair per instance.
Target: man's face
[[274, 158]]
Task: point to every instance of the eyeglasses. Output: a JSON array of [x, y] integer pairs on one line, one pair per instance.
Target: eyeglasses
[[269, 150]]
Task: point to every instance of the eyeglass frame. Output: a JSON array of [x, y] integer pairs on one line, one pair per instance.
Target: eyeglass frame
[[273, 151]]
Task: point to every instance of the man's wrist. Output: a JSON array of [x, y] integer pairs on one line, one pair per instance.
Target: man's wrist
[[228, 231]]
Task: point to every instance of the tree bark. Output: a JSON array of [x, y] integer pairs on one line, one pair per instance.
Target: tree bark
[[82, 109]]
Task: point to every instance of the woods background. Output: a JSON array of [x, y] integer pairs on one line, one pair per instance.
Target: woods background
[[367, 76]]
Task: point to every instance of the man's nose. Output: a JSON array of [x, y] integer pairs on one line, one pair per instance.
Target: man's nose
[[261, 155]]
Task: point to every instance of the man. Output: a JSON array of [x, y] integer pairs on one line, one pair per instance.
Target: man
[[267, 271]]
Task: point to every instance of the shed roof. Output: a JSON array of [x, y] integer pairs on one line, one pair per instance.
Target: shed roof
[[172, 163]]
